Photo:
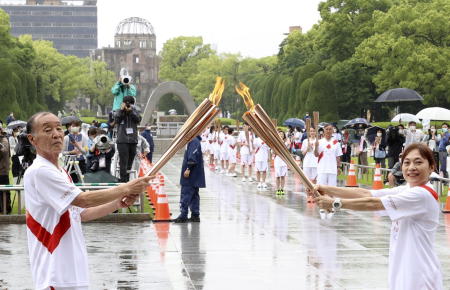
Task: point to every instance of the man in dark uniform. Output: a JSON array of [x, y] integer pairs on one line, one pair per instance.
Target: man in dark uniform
[[192, 178]]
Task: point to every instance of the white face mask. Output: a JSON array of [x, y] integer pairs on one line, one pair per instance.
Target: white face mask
[[444, 129], [74, 129], [379, 134], [400, 131], [412, 128]]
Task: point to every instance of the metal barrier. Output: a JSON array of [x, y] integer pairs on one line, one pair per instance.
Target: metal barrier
[[367, 173], [83, 186], [437, 181]]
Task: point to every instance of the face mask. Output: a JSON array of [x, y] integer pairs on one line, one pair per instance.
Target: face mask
[[334, 130], [433, 130], [74, 129], [400, 131], [444, 130], [412, 127], [379, 134]]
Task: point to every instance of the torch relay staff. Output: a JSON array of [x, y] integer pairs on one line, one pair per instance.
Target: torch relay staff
[[56, 208], [414, 211]]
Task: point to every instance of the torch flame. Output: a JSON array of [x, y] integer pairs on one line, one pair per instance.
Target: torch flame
[[217, 92], [244, 91]]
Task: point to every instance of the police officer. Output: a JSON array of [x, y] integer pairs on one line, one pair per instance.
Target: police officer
[[192, 178]]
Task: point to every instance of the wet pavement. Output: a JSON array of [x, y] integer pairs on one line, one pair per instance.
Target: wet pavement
[[247, 239]]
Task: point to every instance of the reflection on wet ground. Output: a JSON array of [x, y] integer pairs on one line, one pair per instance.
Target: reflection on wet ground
[[246, 240]]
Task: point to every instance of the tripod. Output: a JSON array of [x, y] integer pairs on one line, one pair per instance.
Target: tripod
[[71, 165]]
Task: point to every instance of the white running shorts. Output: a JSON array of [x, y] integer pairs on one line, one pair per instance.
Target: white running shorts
[[261, 166]]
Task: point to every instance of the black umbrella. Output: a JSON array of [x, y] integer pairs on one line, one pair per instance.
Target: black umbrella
[[399, 95], [357, 123], [69, 119], [14, 124], [294, 122], [372, 133]]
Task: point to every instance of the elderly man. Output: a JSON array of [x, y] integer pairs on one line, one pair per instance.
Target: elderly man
[[56, 208]]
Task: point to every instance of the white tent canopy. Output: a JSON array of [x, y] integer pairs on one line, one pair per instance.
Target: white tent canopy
[[434, 114], [405, 117]]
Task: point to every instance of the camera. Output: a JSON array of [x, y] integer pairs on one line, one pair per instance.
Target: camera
[[125, 77], [25, 149], [102, 143]]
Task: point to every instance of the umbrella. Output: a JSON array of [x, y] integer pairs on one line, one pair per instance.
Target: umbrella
[[399, 95], [434, 113], [294, 122], [14, 124], [405, 117], [69, 119], [372, 133], [358, 122]]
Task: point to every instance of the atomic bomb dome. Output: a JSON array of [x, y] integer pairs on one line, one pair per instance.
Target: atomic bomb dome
[[135, 25], [134, 49]]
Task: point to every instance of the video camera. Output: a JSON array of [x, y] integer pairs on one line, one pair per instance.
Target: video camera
[[25, 149], [125, 77], [103, 143]]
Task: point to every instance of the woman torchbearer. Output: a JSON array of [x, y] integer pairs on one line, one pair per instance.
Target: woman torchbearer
[[414, 211]]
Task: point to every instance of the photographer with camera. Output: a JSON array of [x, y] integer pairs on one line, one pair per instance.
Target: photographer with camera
[[101, 153], [121, 89], [127, 120], [76, 143], [5, 164]]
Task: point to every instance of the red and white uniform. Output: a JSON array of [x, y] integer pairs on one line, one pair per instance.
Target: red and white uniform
[[310, 160], [210, 143], [327, 163], [261, 154], [232, 149], [56, 244], [414, 211], [246, 152], [223, 142], [204, 142], [280, 166]]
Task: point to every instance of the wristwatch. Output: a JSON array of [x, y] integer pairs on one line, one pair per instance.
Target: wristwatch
[[337, 204]]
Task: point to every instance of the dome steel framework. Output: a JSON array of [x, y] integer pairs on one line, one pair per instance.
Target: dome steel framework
[[134, 25]]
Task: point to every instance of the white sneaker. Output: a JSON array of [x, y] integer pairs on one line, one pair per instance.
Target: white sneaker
[[259, 185], [250, 179], [243, 179], [264, 185], [323, 214]]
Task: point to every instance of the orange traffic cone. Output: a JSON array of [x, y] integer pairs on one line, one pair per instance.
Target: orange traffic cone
[[446, 208], [351, 177], [162, 232], [377, 183], [162, 206]]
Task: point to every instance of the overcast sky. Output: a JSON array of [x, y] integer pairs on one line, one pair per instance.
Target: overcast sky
[[252, 28]]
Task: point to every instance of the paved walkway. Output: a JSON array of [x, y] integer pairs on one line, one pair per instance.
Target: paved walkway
[[246, 240]]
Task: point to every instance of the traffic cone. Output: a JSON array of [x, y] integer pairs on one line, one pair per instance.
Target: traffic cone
[[446, 208], [162, 232], [162, 205], [351, 177], [377, 183]]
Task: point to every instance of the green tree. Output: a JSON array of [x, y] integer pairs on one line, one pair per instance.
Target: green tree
[[411, 49], [180, 57], [322, 96]]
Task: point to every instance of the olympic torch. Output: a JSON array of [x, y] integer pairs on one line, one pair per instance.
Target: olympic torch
[[263, 126]]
